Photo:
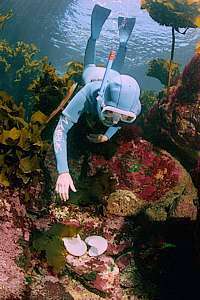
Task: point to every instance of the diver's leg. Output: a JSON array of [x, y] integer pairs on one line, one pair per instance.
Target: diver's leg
[[125, 26], [98, 18]]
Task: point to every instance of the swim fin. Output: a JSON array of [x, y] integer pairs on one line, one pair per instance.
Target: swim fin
[[98, 18], [125, 26]]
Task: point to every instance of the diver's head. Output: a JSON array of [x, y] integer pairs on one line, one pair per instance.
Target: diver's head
[[120, 101]]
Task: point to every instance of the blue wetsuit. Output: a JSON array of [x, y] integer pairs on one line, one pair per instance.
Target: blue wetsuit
[[84, 101]]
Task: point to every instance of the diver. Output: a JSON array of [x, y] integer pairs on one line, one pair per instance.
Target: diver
[[107, 95]]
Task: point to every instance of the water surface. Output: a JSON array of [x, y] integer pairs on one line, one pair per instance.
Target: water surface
[[61, 29]]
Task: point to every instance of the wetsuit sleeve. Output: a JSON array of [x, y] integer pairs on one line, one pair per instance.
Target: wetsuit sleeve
[[111, 131], [69, 116], [60, 143]]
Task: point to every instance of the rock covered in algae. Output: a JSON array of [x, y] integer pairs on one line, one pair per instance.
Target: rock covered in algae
[[100, 273], [176, 116], [118, 232], [147, 178], [48, 287], [124, 203], [12, 276]]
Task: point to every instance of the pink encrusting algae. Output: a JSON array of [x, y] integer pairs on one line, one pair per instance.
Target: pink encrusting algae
[[11, 276], [139, 167]]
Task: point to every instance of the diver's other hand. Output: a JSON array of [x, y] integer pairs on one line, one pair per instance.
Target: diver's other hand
[[64, 182], [97, 138]]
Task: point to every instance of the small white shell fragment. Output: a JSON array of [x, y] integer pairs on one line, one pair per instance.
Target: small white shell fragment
[[75, 246], [98, 245]]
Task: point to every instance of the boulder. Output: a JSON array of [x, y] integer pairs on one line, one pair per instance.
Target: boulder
[[147, 179], [12, 276], [119, 233], [100, 273], [48, 287], [175, 118]]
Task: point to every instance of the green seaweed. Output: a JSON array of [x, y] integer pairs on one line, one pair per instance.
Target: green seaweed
[[51, 245], [160, 68], [23, 149]]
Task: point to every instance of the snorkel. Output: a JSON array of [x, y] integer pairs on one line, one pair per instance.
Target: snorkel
[[101, 92], [100, 97]]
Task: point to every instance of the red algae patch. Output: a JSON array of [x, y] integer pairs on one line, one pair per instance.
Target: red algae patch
[[140, 168]]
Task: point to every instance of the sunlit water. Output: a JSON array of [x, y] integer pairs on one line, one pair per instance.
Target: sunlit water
[[61, 29]]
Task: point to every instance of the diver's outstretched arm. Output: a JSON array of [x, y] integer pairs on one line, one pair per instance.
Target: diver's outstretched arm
[[68, 118], [98, 18], [125, 26]]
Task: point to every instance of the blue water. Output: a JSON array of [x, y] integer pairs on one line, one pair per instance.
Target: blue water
[[61, 28]]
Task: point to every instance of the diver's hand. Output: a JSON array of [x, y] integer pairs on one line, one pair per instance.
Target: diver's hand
[[64, 182], [97, 138]]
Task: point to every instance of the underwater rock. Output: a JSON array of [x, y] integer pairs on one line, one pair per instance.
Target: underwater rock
[[124, 203], [147, 179], [185, 207], [48, 287], [12, 283], [43, 223], [77, 290], [118, 232], [84, 217], [124, 260], [100, 273], [175, 118], [127, 279], [195, 173]]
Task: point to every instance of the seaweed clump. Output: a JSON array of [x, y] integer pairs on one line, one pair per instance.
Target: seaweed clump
[[50, 246]]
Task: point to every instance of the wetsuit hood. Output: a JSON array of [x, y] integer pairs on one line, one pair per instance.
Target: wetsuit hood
[[123, 94]]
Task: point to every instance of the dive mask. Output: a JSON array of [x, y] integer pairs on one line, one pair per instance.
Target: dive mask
[[113, 115]]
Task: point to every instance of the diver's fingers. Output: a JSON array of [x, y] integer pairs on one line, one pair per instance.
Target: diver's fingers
[[72, 186], [58, 190], [65, 192]]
